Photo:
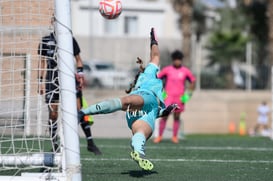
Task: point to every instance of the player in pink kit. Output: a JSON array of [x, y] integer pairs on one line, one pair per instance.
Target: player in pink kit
[[176, 76]]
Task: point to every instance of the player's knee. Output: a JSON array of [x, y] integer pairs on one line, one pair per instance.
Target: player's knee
[[132, 101], [125, 102]]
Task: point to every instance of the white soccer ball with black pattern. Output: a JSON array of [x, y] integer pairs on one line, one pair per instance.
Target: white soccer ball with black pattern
[[110, 9]]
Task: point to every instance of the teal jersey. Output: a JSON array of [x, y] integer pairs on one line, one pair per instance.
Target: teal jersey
[[148, 81]]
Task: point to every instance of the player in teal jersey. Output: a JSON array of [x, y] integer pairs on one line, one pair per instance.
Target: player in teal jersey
[[143, 105]]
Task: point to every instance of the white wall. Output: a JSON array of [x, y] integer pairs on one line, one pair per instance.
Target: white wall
[[122, 49], [87, 21]]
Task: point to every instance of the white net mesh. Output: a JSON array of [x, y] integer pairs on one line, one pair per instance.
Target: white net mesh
[[25, 143]]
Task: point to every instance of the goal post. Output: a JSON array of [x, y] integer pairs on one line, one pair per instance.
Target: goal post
[[25, 142], [67, 89]]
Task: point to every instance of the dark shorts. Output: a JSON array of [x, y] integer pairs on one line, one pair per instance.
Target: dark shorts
[[52, 88]]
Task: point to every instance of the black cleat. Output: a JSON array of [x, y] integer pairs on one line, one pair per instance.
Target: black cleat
[[168, 110], [93, 148]]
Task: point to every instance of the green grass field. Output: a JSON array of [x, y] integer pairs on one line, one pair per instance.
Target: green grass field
[[199, 157]]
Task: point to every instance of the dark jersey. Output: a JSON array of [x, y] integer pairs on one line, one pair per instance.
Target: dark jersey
[[48, 49], [76, 47]]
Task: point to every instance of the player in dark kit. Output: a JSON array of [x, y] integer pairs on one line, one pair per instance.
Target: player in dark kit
[[47, 49]]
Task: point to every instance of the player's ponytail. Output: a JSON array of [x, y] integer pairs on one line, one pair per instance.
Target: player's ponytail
[[141, 69]]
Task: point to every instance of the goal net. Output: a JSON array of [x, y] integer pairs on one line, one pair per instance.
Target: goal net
[[26, 147]]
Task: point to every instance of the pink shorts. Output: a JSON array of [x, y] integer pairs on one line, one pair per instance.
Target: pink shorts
[[175, 100]]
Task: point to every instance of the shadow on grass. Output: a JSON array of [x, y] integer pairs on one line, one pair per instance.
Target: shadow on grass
[[139, 173]]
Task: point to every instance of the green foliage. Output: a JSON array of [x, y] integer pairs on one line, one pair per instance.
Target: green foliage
[[227, 42], [258, 26], [229, 37], [226, 46]]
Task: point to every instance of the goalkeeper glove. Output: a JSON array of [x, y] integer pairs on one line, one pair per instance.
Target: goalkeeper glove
[[153, 37], [186, 97], [86, 118], [164, 95]]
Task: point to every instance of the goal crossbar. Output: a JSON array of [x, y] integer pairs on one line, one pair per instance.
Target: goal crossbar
[[36, 177], [36, 159]]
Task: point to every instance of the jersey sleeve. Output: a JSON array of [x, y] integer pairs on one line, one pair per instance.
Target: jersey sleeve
[[190, 77], [151, 69], [76, 47], [162, 73]]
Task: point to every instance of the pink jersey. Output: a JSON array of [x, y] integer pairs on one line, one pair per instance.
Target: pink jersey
[[176, 79]]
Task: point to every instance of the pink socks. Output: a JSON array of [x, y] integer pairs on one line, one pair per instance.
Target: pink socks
[[176, 124], [162, 125]]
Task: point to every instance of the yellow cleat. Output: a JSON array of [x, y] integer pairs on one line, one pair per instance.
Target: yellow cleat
[[143, 163]]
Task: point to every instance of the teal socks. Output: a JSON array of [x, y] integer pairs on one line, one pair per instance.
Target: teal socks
[[104, 107], [138, 142]]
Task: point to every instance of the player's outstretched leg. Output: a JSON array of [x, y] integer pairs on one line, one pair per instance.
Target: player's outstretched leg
[[104, 107], [138, 155]]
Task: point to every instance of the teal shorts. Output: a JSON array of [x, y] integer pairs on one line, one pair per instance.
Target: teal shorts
[[149, 111]]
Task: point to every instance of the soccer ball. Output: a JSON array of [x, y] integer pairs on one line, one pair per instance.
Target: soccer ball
[[110, 9]]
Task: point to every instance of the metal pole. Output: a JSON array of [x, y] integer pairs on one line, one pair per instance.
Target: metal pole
[[27, 95], [199, 64], [248, 61], [67, 89], [271, 136]]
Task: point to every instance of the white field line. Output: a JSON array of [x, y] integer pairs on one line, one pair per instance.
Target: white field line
[[182, 160], [190, 148]]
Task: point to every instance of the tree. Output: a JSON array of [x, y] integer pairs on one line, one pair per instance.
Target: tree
[[184, 8], [261, 29], [270, 34], [227, 42], [226, 47]]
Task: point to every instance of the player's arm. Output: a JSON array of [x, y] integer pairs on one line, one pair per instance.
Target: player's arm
[[188, 94], [79, 75], [191, 79], [79, 63], [155, 55], [162, 73], [192, 86], [76, 53]]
